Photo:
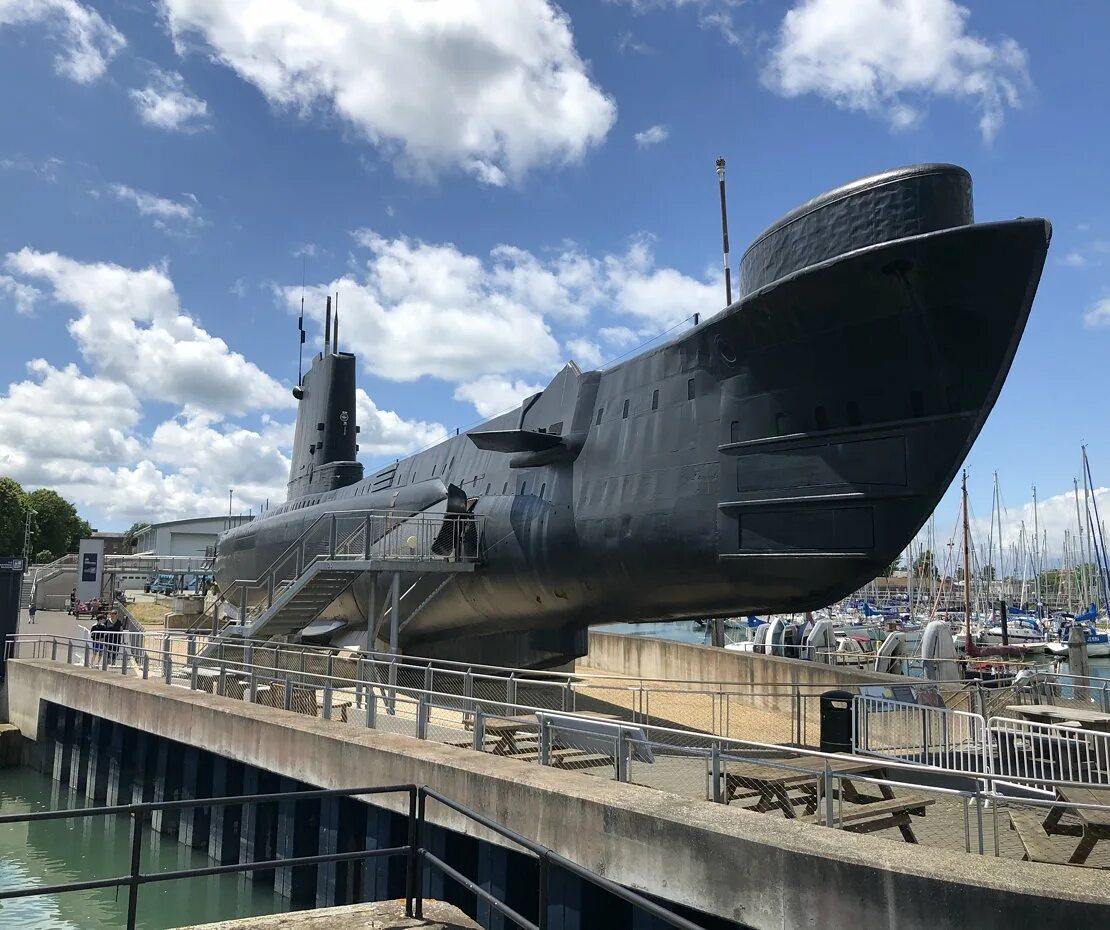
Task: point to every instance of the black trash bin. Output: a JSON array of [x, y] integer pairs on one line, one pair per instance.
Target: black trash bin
[[836, 721]]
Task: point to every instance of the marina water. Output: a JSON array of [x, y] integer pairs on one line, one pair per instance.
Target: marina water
[[59, 851]]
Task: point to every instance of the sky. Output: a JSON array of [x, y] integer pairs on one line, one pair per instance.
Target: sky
[[493, 187]]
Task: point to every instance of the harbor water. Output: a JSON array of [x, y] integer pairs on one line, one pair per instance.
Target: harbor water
[[60, 851]]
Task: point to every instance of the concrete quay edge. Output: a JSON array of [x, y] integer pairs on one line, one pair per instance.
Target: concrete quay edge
[[760, 871]]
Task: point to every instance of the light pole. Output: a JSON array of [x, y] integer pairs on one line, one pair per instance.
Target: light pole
[[27, 538], [230, 494]]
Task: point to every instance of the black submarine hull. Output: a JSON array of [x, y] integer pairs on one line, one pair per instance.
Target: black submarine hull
[[774, 458]]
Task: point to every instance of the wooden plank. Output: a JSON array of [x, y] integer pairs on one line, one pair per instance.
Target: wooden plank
[[1038, 845], [877, 810], [1098, 819]]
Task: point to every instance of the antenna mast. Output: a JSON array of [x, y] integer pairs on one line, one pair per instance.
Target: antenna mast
[[327, 324], [724, 231], [300, 328]]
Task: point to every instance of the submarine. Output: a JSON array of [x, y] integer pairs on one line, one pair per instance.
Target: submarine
[[773, 458]]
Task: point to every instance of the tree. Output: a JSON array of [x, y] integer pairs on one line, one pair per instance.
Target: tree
[[987, 573], [925, 565], [13, 517], [56, 525], [895, 566], [44, 557], [131, 537]]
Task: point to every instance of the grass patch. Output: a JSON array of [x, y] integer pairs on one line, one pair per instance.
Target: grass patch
[[148, 613]]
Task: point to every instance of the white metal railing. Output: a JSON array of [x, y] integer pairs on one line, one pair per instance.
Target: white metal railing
[[1024, 751], [352, 535], [951, 739]]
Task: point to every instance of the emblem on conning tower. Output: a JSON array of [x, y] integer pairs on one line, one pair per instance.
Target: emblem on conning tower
[[343, 418]]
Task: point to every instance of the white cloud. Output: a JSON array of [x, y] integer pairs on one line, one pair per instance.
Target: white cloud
[[653, 135], [628, 43], [88, 41], [1098, 315], [586, 353], [22, 295], [384, 433], [492, 394], [620, 337], [168, 215], [130, 327], [47, 169], [888, 56], [660, 297], [1053, 516], [432, 310], [198, 446], [1073, 260], [494, 87], [61, 418], [423, 309], [166, 103], [712, 14]]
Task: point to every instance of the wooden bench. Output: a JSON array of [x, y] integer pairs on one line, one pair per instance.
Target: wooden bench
[[1038, 845], [879, 815]]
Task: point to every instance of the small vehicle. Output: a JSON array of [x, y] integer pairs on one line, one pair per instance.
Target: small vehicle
[[162, 584]]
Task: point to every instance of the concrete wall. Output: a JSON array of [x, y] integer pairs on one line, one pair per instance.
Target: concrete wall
[[655, 659], [757, 870]]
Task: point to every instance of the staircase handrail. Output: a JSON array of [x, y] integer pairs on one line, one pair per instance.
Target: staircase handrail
[[396, 516]]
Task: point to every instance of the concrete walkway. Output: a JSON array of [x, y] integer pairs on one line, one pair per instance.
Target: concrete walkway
[[50, 623], [385, 915]]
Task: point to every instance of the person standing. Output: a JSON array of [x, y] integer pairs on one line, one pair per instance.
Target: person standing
[[31, 612]]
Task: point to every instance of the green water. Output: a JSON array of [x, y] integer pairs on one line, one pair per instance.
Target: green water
[[58, 851]]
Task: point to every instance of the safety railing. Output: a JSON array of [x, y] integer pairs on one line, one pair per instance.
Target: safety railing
[[939, 736], [138, 813], [351, 535], [1024, 751], [765, 777], [414, 853]]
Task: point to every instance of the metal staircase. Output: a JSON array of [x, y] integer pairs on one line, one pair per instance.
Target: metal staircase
[[327, 558]]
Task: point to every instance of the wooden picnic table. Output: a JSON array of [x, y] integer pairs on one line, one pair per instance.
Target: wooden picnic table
[[505, 729], [1094, 825], [1057, 714], [773, 784]]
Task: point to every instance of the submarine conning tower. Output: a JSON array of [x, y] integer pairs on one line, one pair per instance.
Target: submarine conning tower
[[326, 439]]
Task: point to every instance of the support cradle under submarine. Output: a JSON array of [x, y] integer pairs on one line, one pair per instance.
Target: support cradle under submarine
[[773, 458]]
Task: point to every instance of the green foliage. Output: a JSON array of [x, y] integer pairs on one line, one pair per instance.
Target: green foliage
[[131, 537], [925, 565], [895, 566], [987, 573], [56, 525], [13, 514], [42, 558]]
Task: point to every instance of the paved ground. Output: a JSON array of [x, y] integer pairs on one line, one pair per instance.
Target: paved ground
[[385, 915], [56, 622]]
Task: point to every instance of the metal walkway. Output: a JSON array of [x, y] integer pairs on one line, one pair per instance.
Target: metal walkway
[[330, 555]]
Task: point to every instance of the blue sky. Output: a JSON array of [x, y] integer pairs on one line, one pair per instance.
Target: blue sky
[[494, 187]]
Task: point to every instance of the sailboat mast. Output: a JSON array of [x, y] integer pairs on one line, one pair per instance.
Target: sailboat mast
[[1036, 550], [968, 645]]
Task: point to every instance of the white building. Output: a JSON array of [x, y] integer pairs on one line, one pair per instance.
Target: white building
[[191, 537]]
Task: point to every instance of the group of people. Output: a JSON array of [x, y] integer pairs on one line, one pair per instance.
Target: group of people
[[107, 636]]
